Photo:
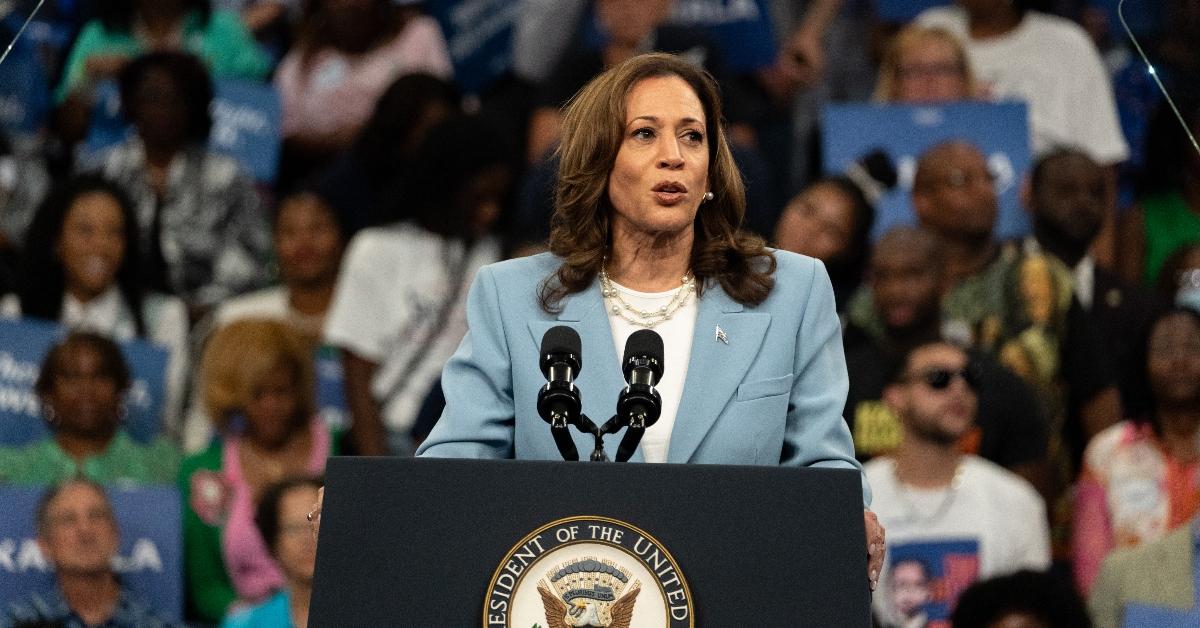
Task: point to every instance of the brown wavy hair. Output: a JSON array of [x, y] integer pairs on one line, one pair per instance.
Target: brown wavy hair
[[580, 230]]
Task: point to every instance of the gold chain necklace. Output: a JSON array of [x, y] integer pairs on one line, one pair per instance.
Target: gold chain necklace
[[638, 316]]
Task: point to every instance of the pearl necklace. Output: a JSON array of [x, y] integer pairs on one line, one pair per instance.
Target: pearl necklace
[[646, 318]]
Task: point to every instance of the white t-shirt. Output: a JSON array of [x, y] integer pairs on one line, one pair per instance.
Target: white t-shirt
[[993, 523], [1051, 64], [388, 306], [677, 337]]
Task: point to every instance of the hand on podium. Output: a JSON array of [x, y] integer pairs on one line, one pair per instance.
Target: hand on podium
[[875, 546], [314, 515]]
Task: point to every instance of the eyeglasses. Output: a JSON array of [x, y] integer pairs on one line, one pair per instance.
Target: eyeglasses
[[940, 378]]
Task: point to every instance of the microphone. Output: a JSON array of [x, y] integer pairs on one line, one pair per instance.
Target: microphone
[[639, 405], [558, 402]]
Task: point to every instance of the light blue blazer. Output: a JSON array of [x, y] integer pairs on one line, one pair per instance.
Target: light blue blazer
[[772, 394]]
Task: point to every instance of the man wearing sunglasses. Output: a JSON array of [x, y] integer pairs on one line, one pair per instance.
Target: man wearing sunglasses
[[963, 517]]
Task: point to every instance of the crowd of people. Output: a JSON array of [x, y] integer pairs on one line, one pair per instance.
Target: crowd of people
[[1028, 410]]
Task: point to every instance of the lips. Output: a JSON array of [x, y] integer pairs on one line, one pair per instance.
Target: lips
[[669, 192]]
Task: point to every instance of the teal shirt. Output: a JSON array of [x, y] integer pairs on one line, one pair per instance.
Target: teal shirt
[[276, 612], [43, 463], [224, 43]]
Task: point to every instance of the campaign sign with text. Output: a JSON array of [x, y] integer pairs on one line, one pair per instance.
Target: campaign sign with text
[[150, 558], [479, 34], [247, 125], [904, 132], [23, 345], [24, 93], [742, 28]]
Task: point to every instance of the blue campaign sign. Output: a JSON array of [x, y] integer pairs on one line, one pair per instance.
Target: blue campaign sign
[[331, 388], [902, 11], [23, 345], [479, 34], [149, 560], [904, 132], [24, 92], [742, 28], [247, 125]]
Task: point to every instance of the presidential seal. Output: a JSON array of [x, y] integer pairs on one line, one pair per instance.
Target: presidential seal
[[588, 572]]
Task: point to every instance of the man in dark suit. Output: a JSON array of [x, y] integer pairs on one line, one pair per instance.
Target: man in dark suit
[[1066, 199]]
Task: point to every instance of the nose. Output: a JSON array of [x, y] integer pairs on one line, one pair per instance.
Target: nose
[[670, 156]]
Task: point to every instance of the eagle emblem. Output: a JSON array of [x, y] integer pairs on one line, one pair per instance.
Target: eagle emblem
[[588, 593]]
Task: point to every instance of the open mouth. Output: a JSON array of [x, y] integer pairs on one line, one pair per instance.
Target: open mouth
[[669, 192]]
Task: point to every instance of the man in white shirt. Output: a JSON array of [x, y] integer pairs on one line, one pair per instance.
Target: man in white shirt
[[951, 518], [1048, 62]]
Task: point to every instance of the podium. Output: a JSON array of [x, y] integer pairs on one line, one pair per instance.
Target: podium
[[463, 543]]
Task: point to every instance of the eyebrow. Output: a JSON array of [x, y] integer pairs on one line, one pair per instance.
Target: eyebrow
[[655, 120]]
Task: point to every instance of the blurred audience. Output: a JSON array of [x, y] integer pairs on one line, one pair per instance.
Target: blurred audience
[[397, 329], [939, 506], [125, 29], [905, 279], [1066, 200], [362, 180], [924, 66], [1141, 477], [1179, 281], [281, 520], [347, 53], [24, 181], [82, 268], [77, 533], [1026, 599], [202, 230], [1149, 585], [308, 250], [258, 387], [831, 220], [81, 387], [1070, 100]]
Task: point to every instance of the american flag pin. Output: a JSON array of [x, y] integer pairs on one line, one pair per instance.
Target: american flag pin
[[721, 335]]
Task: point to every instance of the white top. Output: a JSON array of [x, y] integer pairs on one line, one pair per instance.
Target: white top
[[993, 523], [393, 285], [1050, 63], [166, 325], [677, 334]]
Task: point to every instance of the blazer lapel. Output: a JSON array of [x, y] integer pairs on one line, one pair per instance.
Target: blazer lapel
[[716, 367], [600, 379]]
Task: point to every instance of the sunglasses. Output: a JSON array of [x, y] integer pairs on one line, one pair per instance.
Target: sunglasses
[[941, 378]]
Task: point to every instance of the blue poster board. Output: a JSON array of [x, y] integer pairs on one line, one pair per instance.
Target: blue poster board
[[904, 132], [903, 11], [150, 558], [479, 34], [331, 388], [24, 92], [23, 345], [742, 29], [247, 125]]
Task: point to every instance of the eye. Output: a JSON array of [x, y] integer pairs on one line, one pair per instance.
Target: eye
[[694, 137], [644, 133]]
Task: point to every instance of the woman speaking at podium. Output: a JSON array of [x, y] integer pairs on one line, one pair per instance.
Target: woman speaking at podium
[[645, 235]]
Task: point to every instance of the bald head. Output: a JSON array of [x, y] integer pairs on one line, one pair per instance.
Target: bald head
[[909, 241], [953, 192]]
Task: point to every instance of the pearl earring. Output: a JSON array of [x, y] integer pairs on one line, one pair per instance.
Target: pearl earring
[[708, 196]]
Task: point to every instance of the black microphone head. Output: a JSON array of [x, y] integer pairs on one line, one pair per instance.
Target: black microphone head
[[561, 344], [643, 349]]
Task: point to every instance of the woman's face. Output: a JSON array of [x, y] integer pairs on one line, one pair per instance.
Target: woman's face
[[660, 174], [1173, 360], [930, 72], [92, 243], [296, 549], [160, 113], [819, 223], [84, 399], [483, 197], [271, 411], [307, 241]]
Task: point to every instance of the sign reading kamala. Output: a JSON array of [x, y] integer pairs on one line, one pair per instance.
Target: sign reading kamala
[[23, 345], [904, 132], [149, 559], [588, 571]]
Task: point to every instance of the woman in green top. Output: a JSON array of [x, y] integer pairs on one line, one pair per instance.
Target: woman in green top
[[81, 385], [126, 29]]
